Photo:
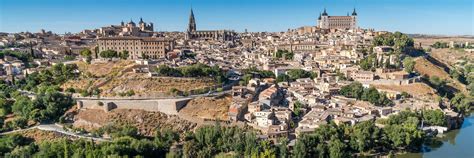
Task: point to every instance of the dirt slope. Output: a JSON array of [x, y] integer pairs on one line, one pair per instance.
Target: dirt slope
[[207, 108], [146, 122], [425, 67]]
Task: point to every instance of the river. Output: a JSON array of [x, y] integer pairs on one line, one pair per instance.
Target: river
[[456, 143]]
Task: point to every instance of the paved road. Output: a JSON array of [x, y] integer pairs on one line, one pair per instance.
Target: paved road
[[18, 130], [56, 128]]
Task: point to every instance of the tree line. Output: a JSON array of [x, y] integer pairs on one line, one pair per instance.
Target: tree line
[[356, 90], [399, 41], [287, 55], [401, 133], [46, 102]]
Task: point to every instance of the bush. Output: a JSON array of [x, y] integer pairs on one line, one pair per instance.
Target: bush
[[100, 103], [18, 123], [71, 90]]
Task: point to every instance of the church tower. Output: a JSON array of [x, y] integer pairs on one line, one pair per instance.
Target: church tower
[[192, 22], [354, 19], [324, 20]]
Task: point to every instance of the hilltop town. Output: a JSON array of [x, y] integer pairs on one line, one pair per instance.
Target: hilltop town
[[333, 83]]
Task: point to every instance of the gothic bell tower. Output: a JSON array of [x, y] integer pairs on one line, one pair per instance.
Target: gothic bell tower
[[192, 22]]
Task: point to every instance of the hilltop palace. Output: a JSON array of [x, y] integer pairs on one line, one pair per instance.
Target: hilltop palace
[[337, 22]]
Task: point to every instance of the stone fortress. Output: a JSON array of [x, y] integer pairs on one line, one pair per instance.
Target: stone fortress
[[348, 22], [143, 29]]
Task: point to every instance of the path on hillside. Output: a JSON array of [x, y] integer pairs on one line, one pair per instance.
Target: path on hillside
[[55, 128]]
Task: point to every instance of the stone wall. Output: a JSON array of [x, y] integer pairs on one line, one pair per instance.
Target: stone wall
[[167, 106]]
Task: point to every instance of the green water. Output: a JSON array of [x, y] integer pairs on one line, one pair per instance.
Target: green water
[[454, 144]]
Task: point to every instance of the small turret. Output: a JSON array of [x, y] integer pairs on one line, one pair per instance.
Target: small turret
[[325, 13], [354, 13], [131, 23]]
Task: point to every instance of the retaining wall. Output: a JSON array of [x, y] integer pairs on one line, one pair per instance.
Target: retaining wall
[[167, 106]]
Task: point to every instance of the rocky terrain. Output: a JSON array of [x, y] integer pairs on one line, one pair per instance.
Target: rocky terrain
[[207, 108], [146, 122]]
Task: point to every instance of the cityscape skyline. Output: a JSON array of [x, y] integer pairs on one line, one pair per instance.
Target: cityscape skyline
[[442, 16]]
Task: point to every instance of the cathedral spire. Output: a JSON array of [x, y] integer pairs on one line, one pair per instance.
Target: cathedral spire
[[141, 20], [192, 22]]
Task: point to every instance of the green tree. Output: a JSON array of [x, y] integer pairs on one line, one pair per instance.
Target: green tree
[[434, 117], [23, 106], [299, 73], [408, 64], [124, 55], [5, 107], [86, 52], [109, 54], [283, 78], [337, 149]]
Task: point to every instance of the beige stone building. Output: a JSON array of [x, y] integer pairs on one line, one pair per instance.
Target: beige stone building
[[337, 22], [143, 29], [138, 47]]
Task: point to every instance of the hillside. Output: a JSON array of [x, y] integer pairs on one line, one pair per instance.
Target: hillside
[[427, 68], [207, 108], [417, 90], [146, 122], [115, 78]]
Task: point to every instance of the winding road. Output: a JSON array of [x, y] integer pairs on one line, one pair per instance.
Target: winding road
[[56, 128]]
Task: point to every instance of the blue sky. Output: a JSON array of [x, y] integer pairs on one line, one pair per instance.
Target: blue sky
[[443, 17]]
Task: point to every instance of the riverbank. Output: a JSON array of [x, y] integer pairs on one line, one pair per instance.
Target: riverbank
[[455, 143]]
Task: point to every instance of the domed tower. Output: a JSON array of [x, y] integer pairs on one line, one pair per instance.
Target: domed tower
[[324, 21], [142, 24], [354, 19], [131, 23]]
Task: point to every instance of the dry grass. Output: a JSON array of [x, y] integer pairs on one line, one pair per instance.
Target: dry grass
[[151, 86], [113, 78], [104, 69], [451, 56], [427, 41], [417, 90], [147, 122], [39, 135], [425, 67], [207, 108]]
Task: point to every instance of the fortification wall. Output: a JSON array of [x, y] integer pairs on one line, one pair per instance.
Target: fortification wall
[[167, 106]]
